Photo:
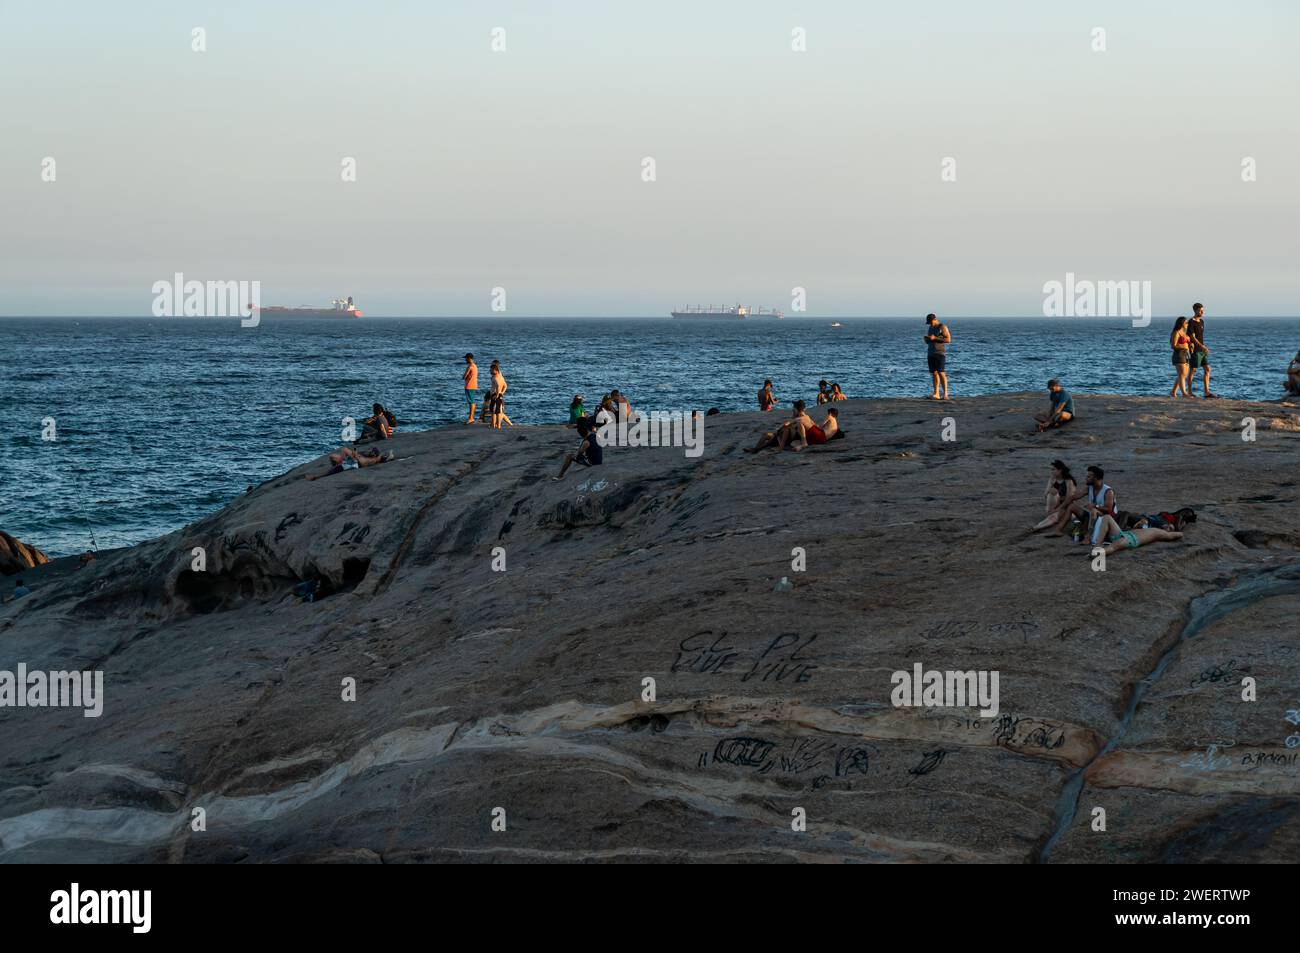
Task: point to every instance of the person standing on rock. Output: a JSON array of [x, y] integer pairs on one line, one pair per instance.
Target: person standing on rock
[[497, 399], [471, 386], [1180, 342], [937, 339], [1200, 356], [766, 399]]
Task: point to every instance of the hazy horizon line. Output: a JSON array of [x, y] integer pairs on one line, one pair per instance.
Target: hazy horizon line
[[634, 317]]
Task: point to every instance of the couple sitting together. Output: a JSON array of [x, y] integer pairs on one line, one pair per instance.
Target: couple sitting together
[[800, 427], [1094, 509]]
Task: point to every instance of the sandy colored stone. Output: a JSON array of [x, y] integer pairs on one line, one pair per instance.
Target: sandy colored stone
[[17, 556]]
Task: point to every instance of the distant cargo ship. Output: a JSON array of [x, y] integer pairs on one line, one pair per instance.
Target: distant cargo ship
[[339, 308], [735, 311]]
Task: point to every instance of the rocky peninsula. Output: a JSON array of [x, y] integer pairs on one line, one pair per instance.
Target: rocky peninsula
[[500, 628]]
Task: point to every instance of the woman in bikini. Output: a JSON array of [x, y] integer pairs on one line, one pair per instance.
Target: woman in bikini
[[1117, 539], [1060, 490], [1181, 343]]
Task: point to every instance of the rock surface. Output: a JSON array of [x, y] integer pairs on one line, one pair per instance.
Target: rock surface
[[17, 556], [522, 689]]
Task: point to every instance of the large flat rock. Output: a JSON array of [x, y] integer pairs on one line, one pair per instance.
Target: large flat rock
[[522, 689]]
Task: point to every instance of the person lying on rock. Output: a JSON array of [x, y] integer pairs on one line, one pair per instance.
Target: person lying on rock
[[1117, 539], [1176, 520], [589, 453], [345, 458]]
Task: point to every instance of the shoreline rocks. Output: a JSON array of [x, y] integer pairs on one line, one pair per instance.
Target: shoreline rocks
[[499, 628]]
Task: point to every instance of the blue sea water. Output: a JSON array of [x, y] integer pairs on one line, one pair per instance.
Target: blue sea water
[[162, 420]]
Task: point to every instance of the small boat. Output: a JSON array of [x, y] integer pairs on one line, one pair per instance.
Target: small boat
[[836, 324]]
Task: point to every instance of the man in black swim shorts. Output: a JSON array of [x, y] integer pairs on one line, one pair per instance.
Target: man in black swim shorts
[[937, 339]]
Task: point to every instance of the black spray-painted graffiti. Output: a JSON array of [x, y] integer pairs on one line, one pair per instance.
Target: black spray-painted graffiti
[[1024, 627], [929, 761], [800, 756], [1028, 732], [1217, 673], [785, 658]]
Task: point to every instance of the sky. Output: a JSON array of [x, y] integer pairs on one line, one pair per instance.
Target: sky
[[774, 168]]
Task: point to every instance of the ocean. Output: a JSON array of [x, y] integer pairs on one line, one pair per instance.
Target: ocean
[[162, 420]]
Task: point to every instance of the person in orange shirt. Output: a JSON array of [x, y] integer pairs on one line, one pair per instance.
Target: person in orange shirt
[[471, 385]]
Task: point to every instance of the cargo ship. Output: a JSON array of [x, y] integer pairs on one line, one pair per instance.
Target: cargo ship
[[735, 311], [339, 308]]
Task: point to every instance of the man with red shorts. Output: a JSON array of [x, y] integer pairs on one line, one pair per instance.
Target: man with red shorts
[[815, 434]]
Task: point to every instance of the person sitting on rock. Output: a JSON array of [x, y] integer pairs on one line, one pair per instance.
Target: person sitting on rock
[[782, 434], [1117, 539], [1061, 411], [379, 426], [1059, 492], [589, 453], [818, 434], [622, 407], [576, 411], [606, 412], [345, 458], [1090, 502], [1293, 374], [20, 590]]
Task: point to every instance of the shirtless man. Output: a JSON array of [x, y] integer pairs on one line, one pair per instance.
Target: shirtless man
[[818, 435], [766, 399], [782, 434], [471, 385]]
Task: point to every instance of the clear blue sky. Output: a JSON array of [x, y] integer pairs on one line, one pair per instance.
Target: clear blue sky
[[775, 168]]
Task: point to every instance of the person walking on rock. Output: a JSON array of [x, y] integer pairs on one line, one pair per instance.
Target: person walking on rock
[[1200, 356]]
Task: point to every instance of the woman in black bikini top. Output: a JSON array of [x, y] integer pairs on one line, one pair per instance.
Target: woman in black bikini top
[[1058, 493]]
